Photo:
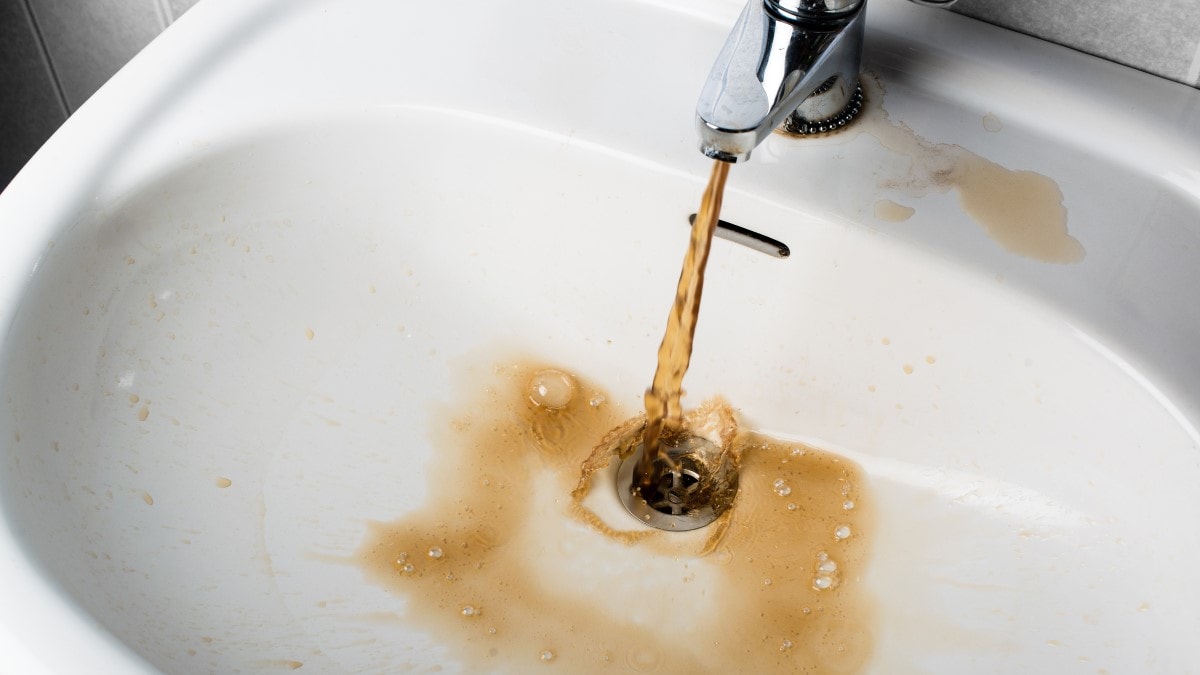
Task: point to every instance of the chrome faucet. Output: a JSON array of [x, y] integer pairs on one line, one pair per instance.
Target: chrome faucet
[[793, 63], [786, 62]]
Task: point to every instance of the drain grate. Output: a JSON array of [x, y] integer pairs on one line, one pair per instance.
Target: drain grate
[[693, 485]]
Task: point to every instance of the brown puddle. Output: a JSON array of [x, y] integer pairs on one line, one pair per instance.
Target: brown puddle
[[886, 209], [1022, 211], [519, 560]]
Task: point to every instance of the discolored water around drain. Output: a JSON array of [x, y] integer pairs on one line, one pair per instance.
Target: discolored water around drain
[[523, 557]]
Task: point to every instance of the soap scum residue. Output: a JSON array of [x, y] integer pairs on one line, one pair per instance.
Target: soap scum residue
[[524, 558]]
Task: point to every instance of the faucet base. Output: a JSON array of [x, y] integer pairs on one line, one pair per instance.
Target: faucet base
[[809, 119]]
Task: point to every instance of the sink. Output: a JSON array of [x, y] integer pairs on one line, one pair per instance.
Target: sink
[[258, 286]]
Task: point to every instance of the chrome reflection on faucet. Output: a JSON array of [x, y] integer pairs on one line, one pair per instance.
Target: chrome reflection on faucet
[[787, 62]]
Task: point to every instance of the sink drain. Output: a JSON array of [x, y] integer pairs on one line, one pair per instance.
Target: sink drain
[[693, 484]]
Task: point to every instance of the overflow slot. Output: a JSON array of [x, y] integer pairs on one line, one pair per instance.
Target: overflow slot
[[748, 238]]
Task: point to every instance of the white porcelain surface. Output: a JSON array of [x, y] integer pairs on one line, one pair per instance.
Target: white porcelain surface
[[422, 184]]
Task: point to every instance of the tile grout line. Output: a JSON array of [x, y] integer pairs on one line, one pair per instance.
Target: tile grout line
[[59, 93], [165, 16], [1193, 73]]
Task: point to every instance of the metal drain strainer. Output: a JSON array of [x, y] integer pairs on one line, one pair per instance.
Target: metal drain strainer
[[693, 484]]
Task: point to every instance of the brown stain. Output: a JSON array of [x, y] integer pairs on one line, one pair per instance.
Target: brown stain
[[288, 664], [1023, 211], [886, 209], [223, 482], [481, 567]]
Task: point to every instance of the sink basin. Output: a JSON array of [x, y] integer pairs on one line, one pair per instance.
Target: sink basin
[[260, 286]]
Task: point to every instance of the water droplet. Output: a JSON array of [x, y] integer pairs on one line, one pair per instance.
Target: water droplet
[[799, 452], [470, 611], [596, 400], [643, 659], [842, 532], [792, 506], [822, 583], [807, 610], [827, 566], [402, 558], [547, 655], [766, 582], [723, 557], [435, 552], [551, 389], [492, 630], [785, 645], [781, 488], [847, 505]]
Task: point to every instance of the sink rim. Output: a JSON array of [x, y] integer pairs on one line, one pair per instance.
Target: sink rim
[[77, 157]]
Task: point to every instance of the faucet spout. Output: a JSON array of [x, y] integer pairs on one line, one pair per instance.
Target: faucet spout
[[785, 60]]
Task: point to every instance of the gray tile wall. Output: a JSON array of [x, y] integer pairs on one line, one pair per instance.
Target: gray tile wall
[[31, 105], [55, 53], [89, 40], [1160, 37]]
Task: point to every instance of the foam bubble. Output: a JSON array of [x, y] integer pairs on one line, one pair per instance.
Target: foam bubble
[[552, 389], [781, 488]]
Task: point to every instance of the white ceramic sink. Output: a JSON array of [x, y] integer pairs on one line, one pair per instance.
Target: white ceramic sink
[[246, 290]]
